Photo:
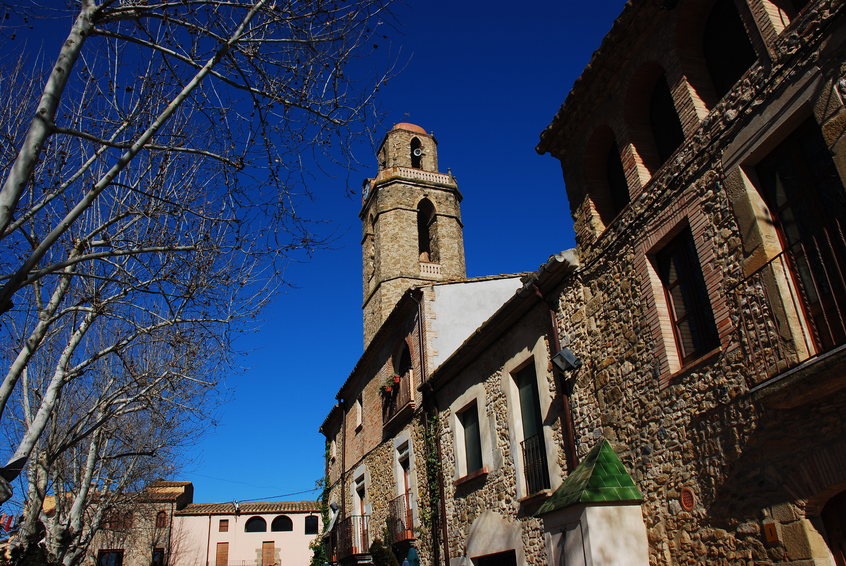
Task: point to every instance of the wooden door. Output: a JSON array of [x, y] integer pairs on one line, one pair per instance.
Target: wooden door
[[221, 557], [268, 553]]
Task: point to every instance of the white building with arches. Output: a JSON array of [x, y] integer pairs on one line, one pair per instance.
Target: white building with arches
[[245, 534]]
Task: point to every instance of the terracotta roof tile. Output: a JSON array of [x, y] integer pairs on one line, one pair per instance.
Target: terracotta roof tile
[[251, 508]]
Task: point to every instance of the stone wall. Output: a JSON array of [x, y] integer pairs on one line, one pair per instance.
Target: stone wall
[[497, 501], [391, 262], [698, 426]]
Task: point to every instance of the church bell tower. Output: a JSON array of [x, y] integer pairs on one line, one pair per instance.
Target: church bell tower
[[411, 223]]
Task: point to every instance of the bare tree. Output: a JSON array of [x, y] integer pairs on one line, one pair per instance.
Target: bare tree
[[155, 187], [138, 416]]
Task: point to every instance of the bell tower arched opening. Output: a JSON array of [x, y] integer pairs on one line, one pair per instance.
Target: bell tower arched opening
[[426, 229], [416, 153]]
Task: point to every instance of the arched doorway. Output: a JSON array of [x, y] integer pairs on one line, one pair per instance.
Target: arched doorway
[[834, 521]]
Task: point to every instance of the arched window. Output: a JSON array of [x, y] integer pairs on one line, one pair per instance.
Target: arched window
[[416, 153], [726, 47], [282, 523], [664, 121], [402, 359], [605, 178], [426, 245], [618, 187], [255, 525], [161, 520], [311, 523]]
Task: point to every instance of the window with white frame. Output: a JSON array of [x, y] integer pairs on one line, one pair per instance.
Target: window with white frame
[[533, 447]]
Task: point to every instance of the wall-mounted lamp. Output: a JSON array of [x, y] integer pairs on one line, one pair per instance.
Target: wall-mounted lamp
[[566, 360]]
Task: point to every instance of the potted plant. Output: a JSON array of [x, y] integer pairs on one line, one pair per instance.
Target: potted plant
[[396, 378]]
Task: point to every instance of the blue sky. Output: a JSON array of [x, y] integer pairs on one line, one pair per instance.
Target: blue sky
[[486, 78]]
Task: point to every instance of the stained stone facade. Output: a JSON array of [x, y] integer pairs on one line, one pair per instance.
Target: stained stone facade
[[723, 393], [418, 307], [699, 326]]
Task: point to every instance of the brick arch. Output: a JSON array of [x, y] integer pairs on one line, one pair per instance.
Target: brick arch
[[636, 113], [687, 41], [602, 147], [402, 359], [710, 74], [818, 477]]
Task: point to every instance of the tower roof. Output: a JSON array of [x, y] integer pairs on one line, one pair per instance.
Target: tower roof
[[410, 127]]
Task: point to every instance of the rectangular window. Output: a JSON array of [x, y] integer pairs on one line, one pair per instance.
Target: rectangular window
[[221, 557], [158, 557], [110, 558], [800, 185], [677, 265], [268, 552], [469, 419], [223, 526], [533, 448], [359, 412]]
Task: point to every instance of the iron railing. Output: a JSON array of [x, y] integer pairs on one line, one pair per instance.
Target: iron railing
[[400, 521], [534, 464], [400, 396], [351, 537], [794, 307]]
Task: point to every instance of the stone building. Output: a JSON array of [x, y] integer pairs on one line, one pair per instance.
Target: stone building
[[140, 531], [707, 188], [418, 307], [163, 526], [672, 390]]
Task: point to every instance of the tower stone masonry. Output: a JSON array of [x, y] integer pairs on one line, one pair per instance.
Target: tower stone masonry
[[411, 223]]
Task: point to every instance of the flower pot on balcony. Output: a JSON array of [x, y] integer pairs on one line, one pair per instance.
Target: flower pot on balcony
[[396, 379]]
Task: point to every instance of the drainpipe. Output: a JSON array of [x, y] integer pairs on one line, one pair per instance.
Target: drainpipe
[[343, 457], [208, 540], [169, 533], [566, 388], [424, 376]]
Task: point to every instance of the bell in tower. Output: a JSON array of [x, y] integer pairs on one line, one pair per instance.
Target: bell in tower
[[411, 220]]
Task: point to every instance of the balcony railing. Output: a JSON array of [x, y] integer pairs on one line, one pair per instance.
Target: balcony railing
[[351, 537], [410, 173], [794, 307], [534, 464], [430, 269], [400, 397], [400, 522]]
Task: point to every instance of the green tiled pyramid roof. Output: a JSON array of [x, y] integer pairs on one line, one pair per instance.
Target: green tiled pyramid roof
[[599, 478]]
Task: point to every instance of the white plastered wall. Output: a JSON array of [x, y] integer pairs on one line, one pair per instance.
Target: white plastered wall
[[605, 535], [459, 309]]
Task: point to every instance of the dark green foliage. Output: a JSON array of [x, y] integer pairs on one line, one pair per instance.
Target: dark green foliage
[[382, 555]]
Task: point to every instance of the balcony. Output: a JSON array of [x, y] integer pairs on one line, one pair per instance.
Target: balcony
[[400, 521], [430, 269], [350, 538], [399, 401], [792, 315], [534, 464]]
